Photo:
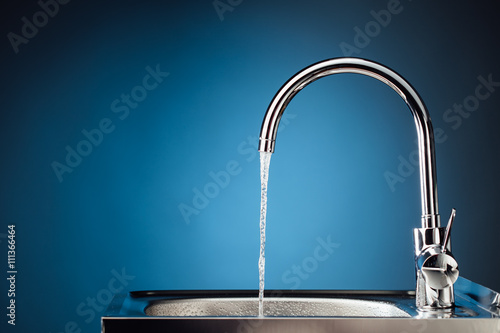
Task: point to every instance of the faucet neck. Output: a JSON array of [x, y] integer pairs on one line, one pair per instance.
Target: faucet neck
[[428, 184]]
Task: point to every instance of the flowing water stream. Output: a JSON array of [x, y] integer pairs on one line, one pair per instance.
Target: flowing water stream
[[265, 159]]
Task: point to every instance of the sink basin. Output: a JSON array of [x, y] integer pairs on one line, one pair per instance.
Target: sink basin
[[275, 307], [477, 310]]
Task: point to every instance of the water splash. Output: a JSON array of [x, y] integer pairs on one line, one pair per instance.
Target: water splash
[[265, 159]]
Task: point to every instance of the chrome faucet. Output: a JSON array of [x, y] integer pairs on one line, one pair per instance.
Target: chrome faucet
[[436, 268]]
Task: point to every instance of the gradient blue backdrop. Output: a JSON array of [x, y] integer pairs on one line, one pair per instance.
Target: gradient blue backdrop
[[117, 212]]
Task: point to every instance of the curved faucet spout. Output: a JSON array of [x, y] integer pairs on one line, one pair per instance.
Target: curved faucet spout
[[428, 185]]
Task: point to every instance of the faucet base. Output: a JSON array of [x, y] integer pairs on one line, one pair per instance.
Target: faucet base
[[430, 299], [436, 269]]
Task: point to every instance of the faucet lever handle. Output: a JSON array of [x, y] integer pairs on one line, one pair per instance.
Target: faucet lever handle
[[448, 229]]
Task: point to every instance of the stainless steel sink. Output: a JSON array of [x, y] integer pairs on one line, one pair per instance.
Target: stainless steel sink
[[477, 309]]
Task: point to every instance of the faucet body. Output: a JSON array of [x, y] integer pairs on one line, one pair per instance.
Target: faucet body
[[432, 251]]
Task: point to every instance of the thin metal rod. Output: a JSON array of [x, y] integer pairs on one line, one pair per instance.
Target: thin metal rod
[[448, 229]]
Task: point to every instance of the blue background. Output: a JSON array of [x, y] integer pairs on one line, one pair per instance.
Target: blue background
[[118, 210]]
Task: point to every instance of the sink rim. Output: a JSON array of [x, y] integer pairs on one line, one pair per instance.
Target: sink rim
[[309, 293]]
